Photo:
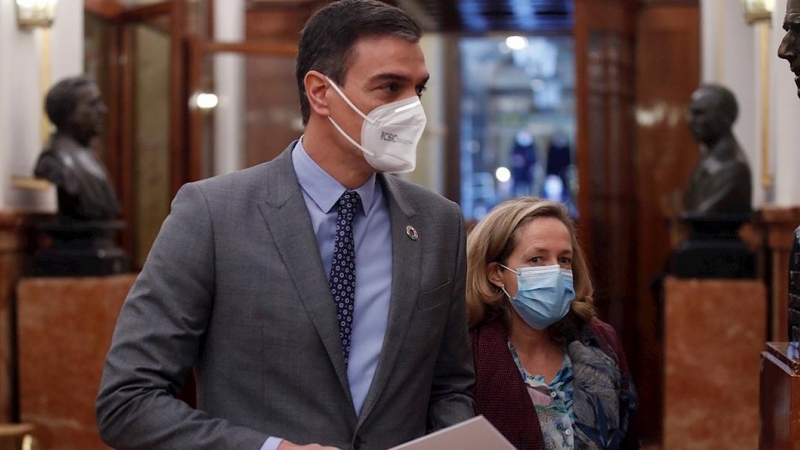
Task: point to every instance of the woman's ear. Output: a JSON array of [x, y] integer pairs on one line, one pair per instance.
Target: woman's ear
[[494, 272], [316, 90]]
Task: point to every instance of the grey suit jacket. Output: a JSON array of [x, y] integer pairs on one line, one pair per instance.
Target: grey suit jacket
[[234, 287]]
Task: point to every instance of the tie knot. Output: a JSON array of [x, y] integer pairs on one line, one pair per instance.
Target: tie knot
[[348, 202]]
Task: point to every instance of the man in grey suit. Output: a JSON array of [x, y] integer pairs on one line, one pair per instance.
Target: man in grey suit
[[241, 282]]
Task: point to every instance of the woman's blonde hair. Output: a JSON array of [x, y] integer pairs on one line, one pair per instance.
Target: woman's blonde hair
[[493, 240]]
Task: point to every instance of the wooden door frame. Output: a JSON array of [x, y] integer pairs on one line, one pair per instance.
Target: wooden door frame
[[198, 50], [121, 128]]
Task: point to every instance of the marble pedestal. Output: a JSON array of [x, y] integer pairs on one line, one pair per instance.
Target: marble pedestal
[[714, 331], [64, 328]]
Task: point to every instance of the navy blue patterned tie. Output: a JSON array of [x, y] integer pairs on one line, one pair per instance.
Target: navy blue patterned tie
[[343, 268]]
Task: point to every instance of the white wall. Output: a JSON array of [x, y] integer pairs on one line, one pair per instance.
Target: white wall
[[229, 79], [66, 36], [731, 55], [21, 85], [430, 152]]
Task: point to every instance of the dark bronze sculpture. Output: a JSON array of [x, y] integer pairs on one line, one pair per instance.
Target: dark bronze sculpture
[[82, 233], [68, 161], [721, 180], [717, 200], [790, 45], [790, 50]]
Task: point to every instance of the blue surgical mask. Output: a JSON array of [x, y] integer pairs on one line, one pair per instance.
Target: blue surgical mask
[[544, 294]]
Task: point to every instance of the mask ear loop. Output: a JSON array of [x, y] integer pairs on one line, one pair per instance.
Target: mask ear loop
[[339, 129], [516, 272], [349, 139], [503, 287], [347, 100]]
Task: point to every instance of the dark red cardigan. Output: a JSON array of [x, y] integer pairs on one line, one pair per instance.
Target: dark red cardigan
[[501, 395]]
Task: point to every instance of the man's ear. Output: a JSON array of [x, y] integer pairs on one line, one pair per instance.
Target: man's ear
[[316, 90], [494, 272]]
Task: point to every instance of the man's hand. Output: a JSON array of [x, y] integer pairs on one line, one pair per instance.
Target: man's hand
[[286, 445]]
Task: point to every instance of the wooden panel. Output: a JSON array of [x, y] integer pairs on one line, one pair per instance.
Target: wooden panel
[[452, 99], [126, 127], [272, 105], [604, 60], [178, 100], [272, 115], [14, 245], [779, 224], [265, 48], [604, 68], [107, 9], [780, 398], [140, 13], [277, 22], [632, 56], [667, 72], [151, 110]]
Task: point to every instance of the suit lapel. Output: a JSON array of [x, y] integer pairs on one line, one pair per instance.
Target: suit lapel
[[406, 254], [288, 220]]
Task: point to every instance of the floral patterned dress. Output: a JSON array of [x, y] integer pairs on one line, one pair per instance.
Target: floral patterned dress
[[553, 403]]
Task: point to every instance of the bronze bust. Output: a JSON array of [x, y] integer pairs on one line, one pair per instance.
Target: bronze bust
[[790, 50], [82, 234], [790, 45], [68, 161], [721, 181]]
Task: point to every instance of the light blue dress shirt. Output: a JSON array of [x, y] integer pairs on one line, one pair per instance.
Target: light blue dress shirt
[[373, 245]]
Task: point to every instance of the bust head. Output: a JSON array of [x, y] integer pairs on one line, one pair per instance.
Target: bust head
[[712, 112], [790, 45], [76, 109]]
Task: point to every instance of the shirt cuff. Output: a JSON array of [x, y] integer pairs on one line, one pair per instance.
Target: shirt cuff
[[272, 443]]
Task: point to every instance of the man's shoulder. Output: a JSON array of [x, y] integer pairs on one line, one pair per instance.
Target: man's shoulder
[[236, 192], [257, 177], [237, 178]]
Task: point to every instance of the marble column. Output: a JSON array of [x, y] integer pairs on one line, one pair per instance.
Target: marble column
[[714, 333], [65, 327]]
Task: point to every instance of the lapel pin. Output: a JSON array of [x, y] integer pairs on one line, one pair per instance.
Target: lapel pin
[[412, 232]]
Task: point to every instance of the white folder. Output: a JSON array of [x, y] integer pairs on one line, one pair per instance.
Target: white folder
[[473, 434]]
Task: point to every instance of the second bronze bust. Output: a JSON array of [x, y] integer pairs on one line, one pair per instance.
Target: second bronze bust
[[84, 189], [721, 181]]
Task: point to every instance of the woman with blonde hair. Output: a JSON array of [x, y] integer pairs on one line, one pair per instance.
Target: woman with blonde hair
[[549, 374]]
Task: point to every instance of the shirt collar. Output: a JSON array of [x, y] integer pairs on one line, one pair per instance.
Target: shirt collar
[[323, 189]]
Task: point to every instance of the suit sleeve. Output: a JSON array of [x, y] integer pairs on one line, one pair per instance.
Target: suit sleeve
[[157, 341], [451, 394]]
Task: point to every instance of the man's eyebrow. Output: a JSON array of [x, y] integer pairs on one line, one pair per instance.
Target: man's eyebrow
[[388, 76]]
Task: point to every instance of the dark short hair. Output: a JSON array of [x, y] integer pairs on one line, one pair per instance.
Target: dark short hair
[[327, 39], [63, 98], [724, 99]]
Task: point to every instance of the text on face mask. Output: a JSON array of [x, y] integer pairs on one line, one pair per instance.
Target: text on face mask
[[391, 137]]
